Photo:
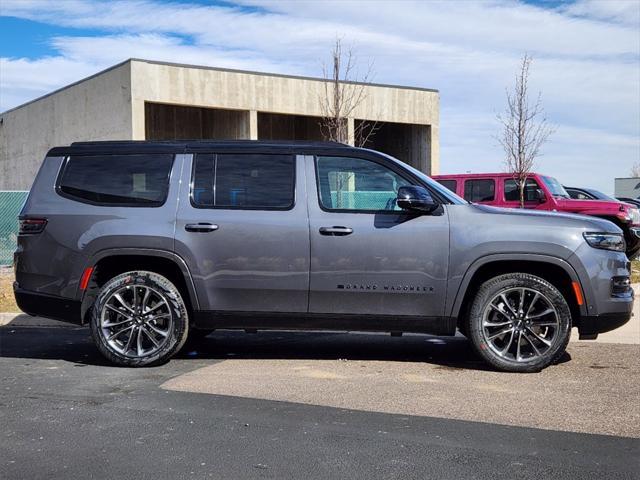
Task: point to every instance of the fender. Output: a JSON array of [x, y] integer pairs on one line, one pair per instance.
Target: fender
[[87, 298], [501, 257]]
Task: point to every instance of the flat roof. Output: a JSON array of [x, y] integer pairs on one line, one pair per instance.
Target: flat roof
[[217, 69]]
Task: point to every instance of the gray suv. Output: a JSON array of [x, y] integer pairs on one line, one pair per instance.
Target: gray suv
[[153, 242]]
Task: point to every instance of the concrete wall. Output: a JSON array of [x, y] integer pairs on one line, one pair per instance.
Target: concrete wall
[[274, 94], [98, 108]]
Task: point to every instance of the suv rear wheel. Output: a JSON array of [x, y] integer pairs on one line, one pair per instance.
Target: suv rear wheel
[[519, 323], [139, 319]]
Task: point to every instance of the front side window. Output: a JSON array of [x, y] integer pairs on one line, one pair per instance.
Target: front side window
[[512, 191], [243, 181], [355, 184], [118, 180], [480, 190]]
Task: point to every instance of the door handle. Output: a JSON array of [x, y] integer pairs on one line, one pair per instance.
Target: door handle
[[336, 231], [200, 227]]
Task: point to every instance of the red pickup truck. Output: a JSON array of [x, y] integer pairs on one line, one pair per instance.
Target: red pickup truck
[[543, 193]]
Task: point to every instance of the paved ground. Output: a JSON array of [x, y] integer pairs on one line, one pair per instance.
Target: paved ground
[[272, 411]]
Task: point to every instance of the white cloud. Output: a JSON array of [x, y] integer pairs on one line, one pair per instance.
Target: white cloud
[[586, 60]]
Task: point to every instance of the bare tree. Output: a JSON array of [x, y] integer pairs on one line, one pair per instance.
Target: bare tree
[[635, 170], [343, 93], [524, 128]]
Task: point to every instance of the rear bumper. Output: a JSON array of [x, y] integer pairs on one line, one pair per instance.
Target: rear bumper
[[47, 306], [591, 326]]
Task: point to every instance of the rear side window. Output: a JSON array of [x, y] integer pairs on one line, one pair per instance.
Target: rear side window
[[480, 190], [243, 181], [449, 184], [512, 193], [118, 180]]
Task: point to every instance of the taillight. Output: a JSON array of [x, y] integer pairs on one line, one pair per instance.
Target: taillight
[[32, 225]]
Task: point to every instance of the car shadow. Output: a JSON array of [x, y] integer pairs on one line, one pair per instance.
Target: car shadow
[[74, 344]]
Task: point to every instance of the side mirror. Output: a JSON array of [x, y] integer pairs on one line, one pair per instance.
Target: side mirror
[[540, 196], [415, 198]]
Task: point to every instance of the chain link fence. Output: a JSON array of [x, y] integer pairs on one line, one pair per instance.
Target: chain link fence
[[10, 205]]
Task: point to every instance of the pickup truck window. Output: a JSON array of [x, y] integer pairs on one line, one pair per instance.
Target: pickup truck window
[[243, 181], [357, 185], [512, 193], [449, 184], [480, 190]]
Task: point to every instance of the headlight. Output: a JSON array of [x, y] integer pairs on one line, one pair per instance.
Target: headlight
[[606, 241], [635, 216]]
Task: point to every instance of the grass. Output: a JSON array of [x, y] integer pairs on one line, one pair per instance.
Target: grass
[[635, 271], [7, 301]]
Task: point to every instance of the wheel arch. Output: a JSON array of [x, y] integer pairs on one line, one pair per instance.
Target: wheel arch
[[555, 270], [109, 263]]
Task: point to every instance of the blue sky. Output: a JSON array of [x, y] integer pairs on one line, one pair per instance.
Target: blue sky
[[586, 60]]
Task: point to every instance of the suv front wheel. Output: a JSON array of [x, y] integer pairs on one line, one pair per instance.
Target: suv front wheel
[[139, 319], [519, 323]]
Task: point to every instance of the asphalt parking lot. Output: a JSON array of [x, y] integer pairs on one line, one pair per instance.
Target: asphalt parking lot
[[318, 405]]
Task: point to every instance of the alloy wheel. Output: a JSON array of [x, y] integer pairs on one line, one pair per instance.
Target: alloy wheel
[[520, 324], [136, 321]]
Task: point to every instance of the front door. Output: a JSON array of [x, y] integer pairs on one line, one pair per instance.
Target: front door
[[368, 256], [242, 228]]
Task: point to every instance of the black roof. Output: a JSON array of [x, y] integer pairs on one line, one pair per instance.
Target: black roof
[[187, 146]]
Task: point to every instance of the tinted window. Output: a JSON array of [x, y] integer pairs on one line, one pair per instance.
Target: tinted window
[[249, 181], [134, 180], [512, 192], [357, 184], [479, 190], [449, 184]]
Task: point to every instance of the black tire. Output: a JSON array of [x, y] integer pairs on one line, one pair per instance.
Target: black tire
[[178, 329], [513, 282]]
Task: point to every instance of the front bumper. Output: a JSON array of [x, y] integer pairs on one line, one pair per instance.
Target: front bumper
[[632, 237], [591, 326]]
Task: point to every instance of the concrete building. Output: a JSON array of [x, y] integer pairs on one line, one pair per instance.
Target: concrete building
[[140, 99], [627, 187]]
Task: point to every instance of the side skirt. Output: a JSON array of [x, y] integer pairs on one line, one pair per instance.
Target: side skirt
[[445, 326]]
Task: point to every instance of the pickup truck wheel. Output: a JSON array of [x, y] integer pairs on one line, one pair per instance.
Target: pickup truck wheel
[[139, 319], [519, 323]]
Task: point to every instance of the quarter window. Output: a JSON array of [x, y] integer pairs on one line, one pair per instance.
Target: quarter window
[[355, 184], [124, 180], [512, 192], [480, 190], [243, 181]]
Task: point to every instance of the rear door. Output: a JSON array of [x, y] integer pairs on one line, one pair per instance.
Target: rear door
[[368, 256], [480, 190], [242, 227]]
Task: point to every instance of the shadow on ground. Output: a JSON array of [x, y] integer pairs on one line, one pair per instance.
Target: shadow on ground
[[75, 345]]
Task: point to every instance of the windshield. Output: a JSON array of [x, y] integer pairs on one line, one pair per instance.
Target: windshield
[[554, 186], [599, 195]]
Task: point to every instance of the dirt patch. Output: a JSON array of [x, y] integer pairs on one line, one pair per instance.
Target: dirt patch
[[635, 271], [7, 301]]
